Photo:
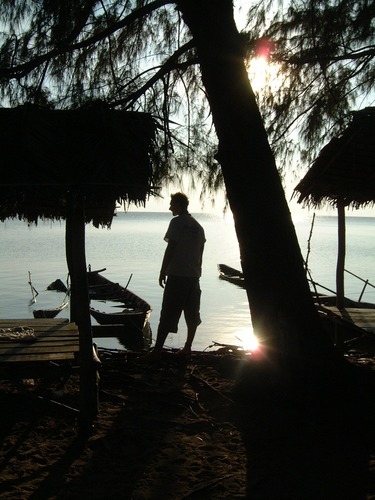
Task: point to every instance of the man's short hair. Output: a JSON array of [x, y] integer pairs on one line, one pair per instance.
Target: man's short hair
[[180, 199]]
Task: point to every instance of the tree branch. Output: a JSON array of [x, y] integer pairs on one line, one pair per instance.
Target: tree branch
[[65, 47], [311, 57], [169, 65]]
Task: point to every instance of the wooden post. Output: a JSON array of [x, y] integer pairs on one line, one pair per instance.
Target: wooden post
[[76, 259], [340, 288], [340, 292], [69, 251]]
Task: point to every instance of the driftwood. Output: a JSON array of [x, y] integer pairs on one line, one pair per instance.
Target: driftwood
[[33, 291]]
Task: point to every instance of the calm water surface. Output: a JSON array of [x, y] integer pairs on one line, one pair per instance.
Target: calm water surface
[[134, 247]]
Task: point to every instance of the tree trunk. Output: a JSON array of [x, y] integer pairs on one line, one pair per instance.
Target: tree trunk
[[282, 309], [302, 426]]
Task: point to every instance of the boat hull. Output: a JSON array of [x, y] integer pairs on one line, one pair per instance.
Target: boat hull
[[49, 313], [136, 311], [134, 320], [232, 275], [101, 288]]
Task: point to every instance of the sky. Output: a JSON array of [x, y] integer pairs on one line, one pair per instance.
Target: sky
[[195, 206]]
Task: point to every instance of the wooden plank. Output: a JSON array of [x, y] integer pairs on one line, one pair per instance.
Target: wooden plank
[[55, 340], [41, 343], [361, 318], [33, 322], [18, 350], [40, 337], [61, 356], [60, 329], [46, 330], [21, 350], [42, 340], [55, 336]]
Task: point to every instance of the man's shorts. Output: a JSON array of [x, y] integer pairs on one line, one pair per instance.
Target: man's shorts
[[180, 294]]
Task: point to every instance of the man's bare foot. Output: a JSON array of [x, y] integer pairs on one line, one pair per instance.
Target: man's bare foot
[[153, 356], [184, 353]]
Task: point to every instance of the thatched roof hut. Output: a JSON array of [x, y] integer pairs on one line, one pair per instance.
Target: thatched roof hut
[[343, 175], [344, 171], [75, 165], [50, 156]]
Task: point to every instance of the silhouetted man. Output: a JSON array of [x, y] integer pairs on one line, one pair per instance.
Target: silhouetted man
[[179, 275]]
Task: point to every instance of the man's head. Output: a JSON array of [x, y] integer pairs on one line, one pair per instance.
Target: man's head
[[179, 203]]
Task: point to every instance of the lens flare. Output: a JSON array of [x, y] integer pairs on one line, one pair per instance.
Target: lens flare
[[264, 48], [264, 73], [249, 341]]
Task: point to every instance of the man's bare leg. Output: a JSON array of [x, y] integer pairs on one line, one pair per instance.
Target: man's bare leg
[[155, 354], [189, 341], [160, 339]]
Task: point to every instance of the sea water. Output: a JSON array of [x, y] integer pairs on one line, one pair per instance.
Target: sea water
[[132, 250]]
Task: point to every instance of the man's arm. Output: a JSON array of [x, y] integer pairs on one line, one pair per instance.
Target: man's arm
[[168, 254]]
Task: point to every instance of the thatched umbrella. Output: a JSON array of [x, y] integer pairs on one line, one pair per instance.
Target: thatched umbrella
[[75, 165], [343, 175], [51, 156]]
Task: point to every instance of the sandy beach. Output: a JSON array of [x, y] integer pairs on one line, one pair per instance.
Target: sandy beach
[[193, 430]]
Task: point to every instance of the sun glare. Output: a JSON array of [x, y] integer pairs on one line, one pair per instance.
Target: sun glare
[[263, 73], [258, 73], [248, 340], [228, 217]]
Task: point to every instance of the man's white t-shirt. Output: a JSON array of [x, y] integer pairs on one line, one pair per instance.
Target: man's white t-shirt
[[189, 237]]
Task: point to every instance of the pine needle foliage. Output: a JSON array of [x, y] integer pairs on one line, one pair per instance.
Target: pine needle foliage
[[324, 51]]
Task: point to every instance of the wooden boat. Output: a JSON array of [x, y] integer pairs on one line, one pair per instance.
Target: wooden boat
[[135, 319], [53, 312], [101, 288], [235, 276], [232, 275], [356, 319], [50, 313], [330, 300], [135, 311]]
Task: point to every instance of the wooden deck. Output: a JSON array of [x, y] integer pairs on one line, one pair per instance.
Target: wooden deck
[[358, 318], [56, 345]]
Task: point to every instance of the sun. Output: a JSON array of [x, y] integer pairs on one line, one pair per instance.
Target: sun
[[258, 73], [248, 340], [264, 74]]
